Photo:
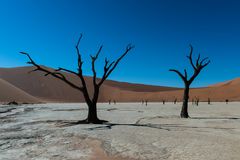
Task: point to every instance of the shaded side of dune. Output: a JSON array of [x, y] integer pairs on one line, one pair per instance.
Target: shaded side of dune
[[11, 93], [18, 85]]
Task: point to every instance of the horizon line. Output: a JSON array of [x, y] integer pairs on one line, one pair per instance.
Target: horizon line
[[130, 82]]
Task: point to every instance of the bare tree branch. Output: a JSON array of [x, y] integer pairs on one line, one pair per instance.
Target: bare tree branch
[[206, 64], [197, 61], [59, 74], [108, 69], [190, 57], [80, 62], [66, 70], [199, 65], [202, 61], [185, 72], [128, 48], [94, 58], [48, 72], [179, 73]]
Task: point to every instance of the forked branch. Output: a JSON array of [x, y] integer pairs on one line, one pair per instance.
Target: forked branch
[[94, 58], [198, 66], [108, 68], [179, 73], [54, 73]]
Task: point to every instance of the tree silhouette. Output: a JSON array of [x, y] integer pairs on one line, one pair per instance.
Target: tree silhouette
[[209, 101], [197, 101], [97, 82], [175, 101], [226, 101], [197, 67]]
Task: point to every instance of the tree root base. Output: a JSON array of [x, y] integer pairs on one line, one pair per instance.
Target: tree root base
[[87, 121]]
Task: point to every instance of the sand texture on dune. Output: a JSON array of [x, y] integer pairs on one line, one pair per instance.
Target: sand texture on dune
[[134, 132], [48, 89], [9, 92]]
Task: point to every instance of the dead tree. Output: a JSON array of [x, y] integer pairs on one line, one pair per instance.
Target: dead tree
[[209, 101], [226, 101], [97, 82], [175, 101], [197, 101], [198, 66]]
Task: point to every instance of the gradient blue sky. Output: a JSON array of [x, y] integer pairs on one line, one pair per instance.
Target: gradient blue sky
[[160, 30]]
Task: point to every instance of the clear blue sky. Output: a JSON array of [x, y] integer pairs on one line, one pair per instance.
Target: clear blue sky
[[160, 30]]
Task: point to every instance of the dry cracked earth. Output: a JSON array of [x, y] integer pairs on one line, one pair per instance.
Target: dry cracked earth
[[134, 132]]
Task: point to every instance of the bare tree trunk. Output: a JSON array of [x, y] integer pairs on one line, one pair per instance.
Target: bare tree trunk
[[198, 66], [92, 114], [92, 108], [184, 111]]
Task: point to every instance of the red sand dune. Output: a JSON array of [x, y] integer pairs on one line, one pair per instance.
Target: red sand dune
[[25, 87], [9, 92]]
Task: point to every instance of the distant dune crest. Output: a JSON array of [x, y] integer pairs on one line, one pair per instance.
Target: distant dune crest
[[16, 84]]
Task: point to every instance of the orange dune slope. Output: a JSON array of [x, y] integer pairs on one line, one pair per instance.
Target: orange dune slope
[[49, 89], [35, 87], [9, 93]]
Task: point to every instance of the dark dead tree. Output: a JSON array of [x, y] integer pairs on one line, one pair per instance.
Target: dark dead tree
[[175, 101], [198, 66], [197, 101], [97, 82], [226, 101], [209, 101]]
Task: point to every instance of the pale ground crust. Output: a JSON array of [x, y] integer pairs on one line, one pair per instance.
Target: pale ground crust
[[98, 152], [134, 132]]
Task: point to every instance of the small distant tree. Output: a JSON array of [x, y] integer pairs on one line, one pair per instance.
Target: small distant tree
[[226, 101], [163, 101], [197, 67], [97, 82], [197, 101], [209, 101], [175, 100]]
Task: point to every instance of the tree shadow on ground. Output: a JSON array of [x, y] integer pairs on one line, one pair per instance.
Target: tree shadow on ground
[[107, 125], [110, 125], [217, 118], [168, 127]]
